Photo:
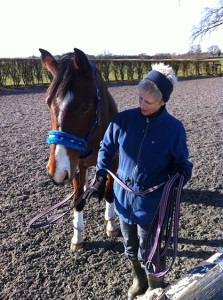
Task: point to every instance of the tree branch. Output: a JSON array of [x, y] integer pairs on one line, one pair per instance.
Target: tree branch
[[212, 20]]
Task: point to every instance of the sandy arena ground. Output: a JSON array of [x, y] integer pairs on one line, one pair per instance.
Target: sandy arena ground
[[38, 263]]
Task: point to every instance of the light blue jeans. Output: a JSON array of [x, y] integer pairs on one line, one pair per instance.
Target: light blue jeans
[[134, 237]]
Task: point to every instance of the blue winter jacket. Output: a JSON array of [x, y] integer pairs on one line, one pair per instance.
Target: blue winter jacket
[[149, 149]]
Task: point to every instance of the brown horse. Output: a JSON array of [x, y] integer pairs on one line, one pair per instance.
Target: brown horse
[[81, 108]]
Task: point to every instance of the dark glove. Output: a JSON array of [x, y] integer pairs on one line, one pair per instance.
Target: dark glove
[[98, 188], [182, 171]]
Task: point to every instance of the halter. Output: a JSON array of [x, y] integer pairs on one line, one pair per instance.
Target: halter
[[72, 141]]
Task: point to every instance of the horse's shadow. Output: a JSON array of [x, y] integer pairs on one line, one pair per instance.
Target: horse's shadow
[[106, 245]]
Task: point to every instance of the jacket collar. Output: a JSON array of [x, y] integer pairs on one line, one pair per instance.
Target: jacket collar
[[157, 115]]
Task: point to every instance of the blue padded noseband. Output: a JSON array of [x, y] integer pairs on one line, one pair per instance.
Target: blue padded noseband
[[72, 141], [66, 139]]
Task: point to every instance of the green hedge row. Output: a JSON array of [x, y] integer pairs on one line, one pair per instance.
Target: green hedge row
[[120, 70], [23, 72], [31, 71]]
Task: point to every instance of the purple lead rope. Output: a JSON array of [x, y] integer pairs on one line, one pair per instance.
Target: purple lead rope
[[39, 225], [31, 225], [131, 191], [155, 261], [168, 208]]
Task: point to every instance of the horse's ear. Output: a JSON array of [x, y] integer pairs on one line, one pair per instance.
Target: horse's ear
[[49, 61], [81, 62]]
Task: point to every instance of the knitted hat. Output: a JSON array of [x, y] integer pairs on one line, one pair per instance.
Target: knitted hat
[[163, 78]]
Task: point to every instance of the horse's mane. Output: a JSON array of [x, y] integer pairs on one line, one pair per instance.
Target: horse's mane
[[64, 77]]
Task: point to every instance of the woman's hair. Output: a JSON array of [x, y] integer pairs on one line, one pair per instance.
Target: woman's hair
[[147, 85]]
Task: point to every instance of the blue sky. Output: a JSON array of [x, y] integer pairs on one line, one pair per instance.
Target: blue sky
[[123, 27]]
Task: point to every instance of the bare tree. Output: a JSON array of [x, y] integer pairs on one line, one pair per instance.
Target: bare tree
[[212, 19], [214, 50], [195, 50]]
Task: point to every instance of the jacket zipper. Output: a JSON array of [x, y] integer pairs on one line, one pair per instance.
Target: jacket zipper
[[134, 172]]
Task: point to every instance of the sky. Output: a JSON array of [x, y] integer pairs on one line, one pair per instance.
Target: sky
[[119, 27]]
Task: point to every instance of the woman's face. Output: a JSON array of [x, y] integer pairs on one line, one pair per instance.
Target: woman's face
[[149, 104]]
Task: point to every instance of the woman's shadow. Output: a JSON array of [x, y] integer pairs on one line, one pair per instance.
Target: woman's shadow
[[200, 202]]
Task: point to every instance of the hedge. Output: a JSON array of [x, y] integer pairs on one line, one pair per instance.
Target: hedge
[[28, 72]]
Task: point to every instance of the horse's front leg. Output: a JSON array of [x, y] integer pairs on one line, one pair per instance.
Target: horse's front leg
[[78, 222], [112, 228]]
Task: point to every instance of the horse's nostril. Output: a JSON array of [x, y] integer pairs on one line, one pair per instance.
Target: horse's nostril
[[66, 176], [50, 176]]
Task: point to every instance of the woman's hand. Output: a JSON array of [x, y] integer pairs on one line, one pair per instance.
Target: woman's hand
[[182, 171], [98, 188]]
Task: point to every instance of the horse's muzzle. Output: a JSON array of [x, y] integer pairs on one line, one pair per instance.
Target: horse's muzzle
[[65, 181]]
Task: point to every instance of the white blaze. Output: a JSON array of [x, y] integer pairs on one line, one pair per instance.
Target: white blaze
[[62, 104], [62, 163], [61, 156]]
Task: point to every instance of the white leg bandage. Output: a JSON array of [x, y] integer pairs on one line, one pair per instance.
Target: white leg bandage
[[86, 181], [110, 217], [109, 211], [78, 223]]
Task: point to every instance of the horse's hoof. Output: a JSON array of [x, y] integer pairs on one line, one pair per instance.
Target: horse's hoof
[[113, 233], [74, 247]]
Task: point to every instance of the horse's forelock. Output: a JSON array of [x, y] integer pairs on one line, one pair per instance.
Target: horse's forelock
[[63, 79]]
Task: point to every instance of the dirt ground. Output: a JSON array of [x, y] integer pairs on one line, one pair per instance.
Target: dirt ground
[[38, 263]]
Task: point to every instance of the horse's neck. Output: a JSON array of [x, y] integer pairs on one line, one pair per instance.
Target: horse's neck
[[106, 97]]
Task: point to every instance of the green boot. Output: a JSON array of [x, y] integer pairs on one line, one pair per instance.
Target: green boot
[[154, 282], [140, 283]]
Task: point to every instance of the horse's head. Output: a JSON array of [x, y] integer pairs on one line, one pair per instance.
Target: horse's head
[[72, 100]]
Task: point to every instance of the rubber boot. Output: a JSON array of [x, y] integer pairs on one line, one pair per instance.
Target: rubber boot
[[140, 282], [154, 282]]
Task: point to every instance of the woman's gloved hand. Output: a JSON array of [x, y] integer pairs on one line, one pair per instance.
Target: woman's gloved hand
[[182, 171], [98, 188]]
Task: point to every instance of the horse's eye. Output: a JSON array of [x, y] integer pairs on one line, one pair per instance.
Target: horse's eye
[[85, 108]]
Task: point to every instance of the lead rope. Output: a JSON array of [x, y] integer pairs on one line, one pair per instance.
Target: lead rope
[[155, 261], [39, 225], [168, 210], [167, 214], [31, 225]]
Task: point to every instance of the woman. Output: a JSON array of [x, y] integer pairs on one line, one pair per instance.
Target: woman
[[152, 146]]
